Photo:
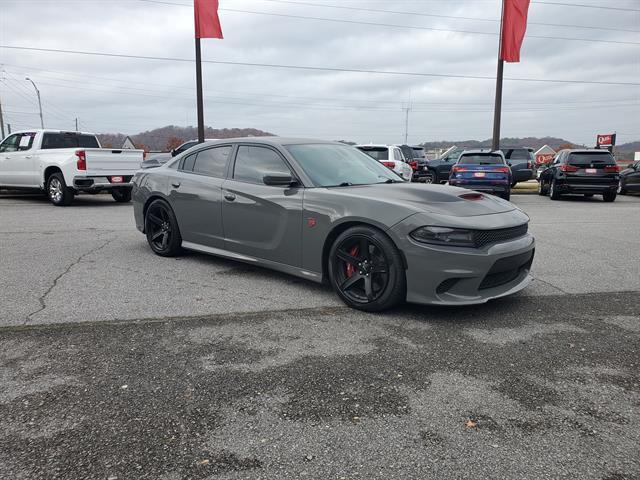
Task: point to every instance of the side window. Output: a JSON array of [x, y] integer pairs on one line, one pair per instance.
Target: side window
[[212, 161], [397, 155], [253, 163], [11, 143], [187, 164], [26, 141]]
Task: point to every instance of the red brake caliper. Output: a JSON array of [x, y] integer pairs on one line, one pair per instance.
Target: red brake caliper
[[351, 269]]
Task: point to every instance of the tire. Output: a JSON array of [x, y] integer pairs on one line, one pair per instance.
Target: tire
[[609, 196], [57, 191], [431, 177], [121, 195], [553, 192], [371, 281], [621, 189], [543, 192], [506, 195], [161, 228]]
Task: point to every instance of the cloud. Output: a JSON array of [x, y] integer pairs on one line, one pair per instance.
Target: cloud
[[129, 95]]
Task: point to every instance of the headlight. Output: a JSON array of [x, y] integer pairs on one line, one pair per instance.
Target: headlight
[[456, 237]]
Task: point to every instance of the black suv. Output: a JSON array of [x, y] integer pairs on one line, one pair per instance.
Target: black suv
[[586, 172], [438, 170], [521, 161]]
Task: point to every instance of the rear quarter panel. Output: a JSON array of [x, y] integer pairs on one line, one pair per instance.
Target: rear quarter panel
[[148, 185]]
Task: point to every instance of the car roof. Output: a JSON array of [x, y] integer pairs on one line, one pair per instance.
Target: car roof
[[481, 152], [275, 141], [375, 145], [587, 150]]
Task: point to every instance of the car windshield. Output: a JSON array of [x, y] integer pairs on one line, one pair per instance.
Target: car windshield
[[330, 165], [379, 153], [518, 154], [591, 157], [480, 159]]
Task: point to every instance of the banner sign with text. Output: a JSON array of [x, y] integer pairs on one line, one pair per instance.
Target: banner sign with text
[[606, 140]]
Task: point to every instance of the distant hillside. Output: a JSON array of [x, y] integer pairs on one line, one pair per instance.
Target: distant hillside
[[166, 138], [531, 142]]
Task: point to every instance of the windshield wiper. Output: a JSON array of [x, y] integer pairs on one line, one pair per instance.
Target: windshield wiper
[[343, 184]]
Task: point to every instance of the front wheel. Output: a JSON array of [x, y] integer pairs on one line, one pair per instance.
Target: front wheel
[[58, 192], [609, 196], [553, 191], [366, 270], [431, 177], [621, 189], [161, 228], [541, 190], [121, 195]]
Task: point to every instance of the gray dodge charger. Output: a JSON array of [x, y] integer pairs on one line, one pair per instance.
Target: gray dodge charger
[[330, 213]]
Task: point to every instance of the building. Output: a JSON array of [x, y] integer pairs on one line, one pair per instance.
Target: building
[[544, 155], [128, 144]]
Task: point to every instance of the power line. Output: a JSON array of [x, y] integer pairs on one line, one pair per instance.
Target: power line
[[316, 68], [582, 5], [421, 14], [404, 27]]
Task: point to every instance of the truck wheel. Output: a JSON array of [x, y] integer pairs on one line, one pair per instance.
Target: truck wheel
[[121, 195], [58, 192]]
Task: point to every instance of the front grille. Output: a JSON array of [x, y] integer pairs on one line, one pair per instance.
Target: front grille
[[486, 237]]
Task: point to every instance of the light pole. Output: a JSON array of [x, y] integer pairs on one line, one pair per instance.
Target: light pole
[[39, 102]]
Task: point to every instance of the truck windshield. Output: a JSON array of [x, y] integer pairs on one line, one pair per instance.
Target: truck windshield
[[68, 140]]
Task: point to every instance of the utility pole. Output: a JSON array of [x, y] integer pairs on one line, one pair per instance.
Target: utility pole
[[8, 129], [39, 102], [1, 120], [406, 124], [76, 124]]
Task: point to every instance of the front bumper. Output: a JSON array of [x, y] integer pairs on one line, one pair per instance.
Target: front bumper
[[443, 275]]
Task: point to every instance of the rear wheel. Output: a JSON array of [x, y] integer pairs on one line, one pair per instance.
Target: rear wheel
[[621, 189], [553, 191], [506, 195], [431, 177], [161, 228], [121, 195], [609, 196], [58, 192], [366, 270]]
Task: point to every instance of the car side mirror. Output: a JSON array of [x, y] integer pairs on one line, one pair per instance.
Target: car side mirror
[[174, 152], [509, 163], [278, 180]]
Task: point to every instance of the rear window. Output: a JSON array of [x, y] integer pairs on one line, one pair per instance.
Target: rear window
[[518, 154], [418, 152], [481, 159], [68, 140], [379, 153], [591, 157]]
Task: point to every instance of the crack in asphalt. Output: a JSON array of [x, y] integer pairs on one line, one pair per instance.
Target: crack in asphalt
[[551, 285], [42, 298]]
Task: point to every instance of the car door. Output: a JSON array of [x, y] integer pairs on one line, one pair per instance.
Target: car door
[[195, 193], [633, 179], [17, 161], [259, 220]]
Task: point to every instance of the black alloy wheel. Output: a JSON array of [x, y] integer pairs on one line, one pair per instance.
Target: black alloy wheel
[[553, 191], [161, 228], [366, 270]]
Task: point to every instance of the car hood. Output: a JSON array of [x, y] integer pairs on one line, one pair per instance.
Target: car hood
[[437, 199]]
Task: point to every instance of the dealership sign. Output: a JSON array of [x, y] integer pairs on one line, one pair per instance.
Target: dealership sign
[[606, 140]]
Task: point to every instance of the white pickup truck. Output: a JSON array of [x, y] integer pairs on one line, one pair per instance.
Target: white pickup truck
[[63, 164]]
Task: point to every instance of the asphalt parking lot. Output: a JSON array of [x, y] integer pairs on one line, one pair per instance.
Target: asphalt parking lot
[[118, 364]]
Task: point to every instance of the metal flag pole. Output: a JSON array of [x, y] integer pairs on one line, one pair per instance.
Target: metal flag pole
[[495, 144], [199, 92]]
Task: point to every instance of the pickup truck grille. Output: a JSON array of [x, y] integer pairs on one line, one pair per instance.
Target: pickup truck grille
[[487, 237]]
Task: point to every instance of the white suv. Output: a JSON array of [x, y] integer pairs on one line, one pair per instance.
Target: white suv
[[390, 156]]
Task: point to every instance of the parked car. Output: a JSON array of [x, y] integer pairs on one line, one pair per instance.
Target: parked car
[[63, 164], [584, 172], [522, 161], [158, 159], [630, 179], [417, 161], [324, 211], [484, 171], [391, 157], [439, 170]]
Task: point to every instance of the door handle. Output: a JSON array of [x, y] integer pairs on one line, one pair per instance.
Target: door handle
[[229, 197], [175, 184], [28, 156]]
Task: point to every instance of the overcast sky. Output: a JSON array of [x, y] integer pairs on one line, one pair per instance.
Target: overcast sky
[[110, 94]]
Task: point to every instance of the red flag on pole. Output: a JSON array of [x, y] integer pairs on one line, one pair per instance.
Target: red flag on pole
[[207, 20], [514, 25]]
